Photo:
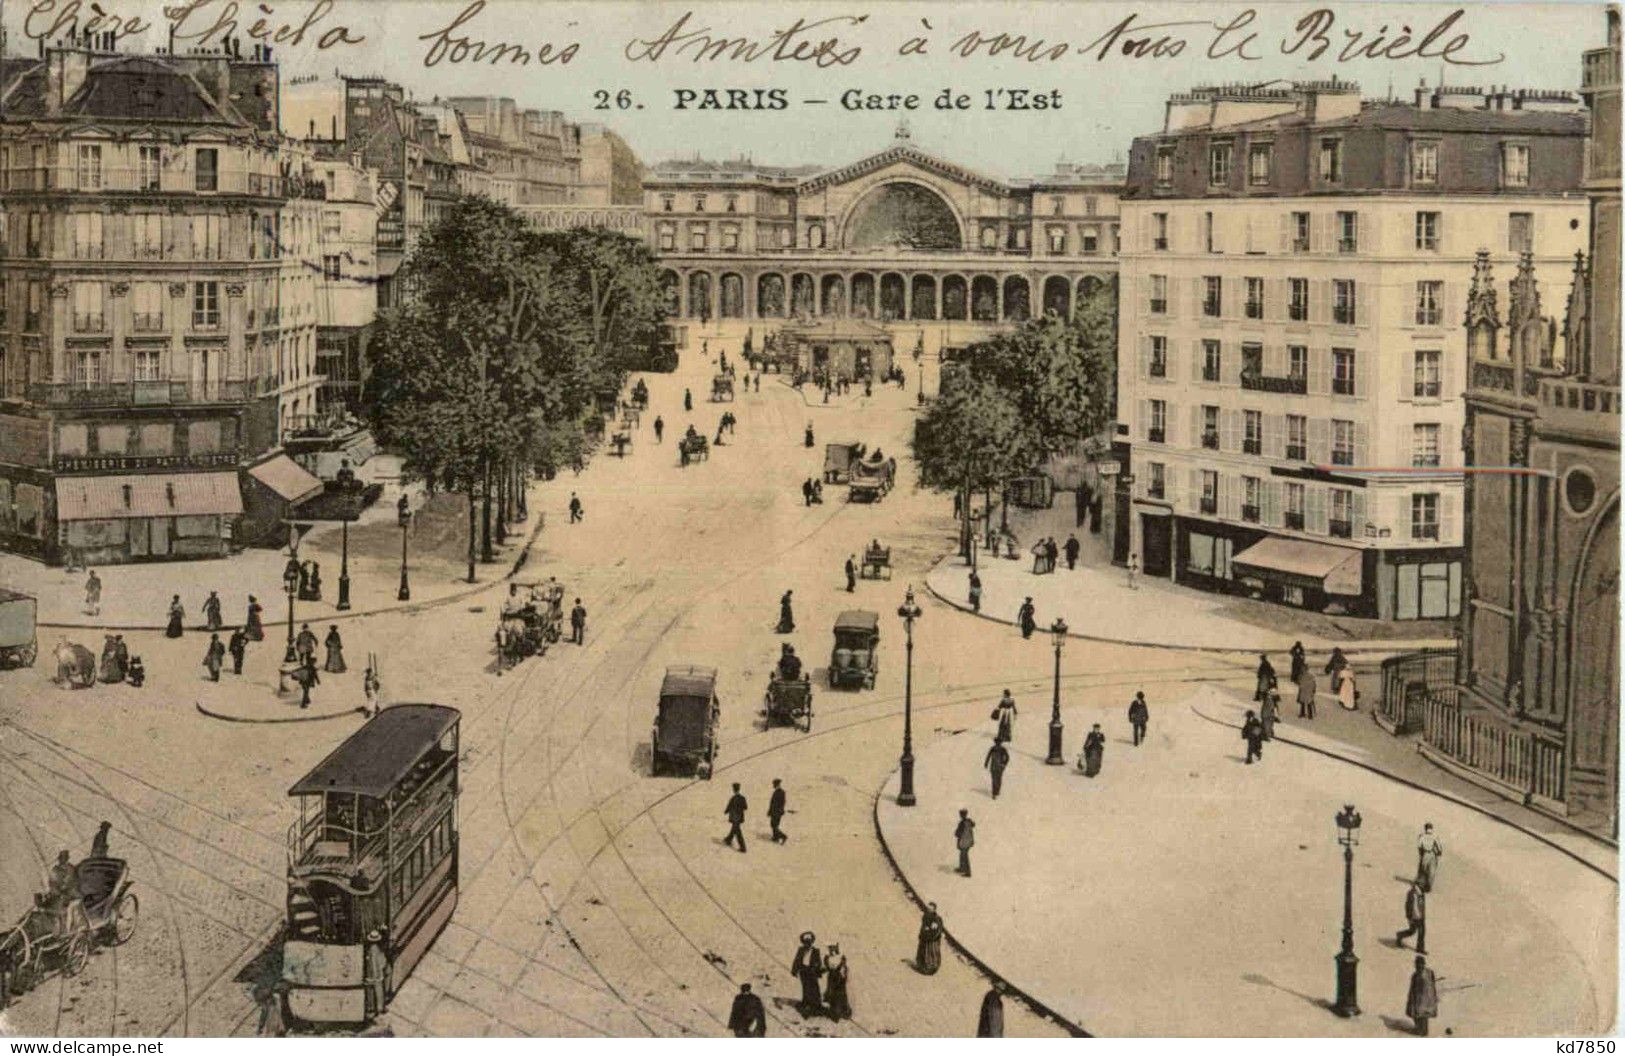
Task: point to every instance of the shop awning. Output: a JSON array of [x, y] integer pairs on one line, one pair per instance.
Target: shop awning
[[147, 495], [287, 478], [1334, 569]]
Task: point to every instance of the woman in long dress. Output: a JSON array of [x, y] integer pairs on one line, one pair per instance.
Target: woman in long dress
[[1346, 694], [928, 955], [254, 626], [1005, 715], [836, 1001], [1094, 752], [111, 669], [177, 613], [335, 653]]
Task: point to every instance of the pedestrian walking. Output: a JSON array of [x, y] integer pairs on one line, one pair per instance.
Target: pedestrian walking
[[1139, 714], [308, 679], [213, 656], [575, 507], [959, 505], [304, 645], [851, 573], [1094, 752], [807, 966], [1052, 554], [211, 612], [1026, 618], [1265, 677], [1253, 733], [660, 432], [997, 758], [806, 492], [1004, 713], [1348, 693], [975, 592], [1306, 695], [1040, 558], [93, 594], [748, 1017], [964, 840], [1335, 665], [776, 804], [1134, 572], [1428, 852], [1298, 664], [370, 685], [1268, 712], [837, 1000], [578, 623], [334, 664], [109, 669], [238, 648], [254, 625], [787, 619], [1416, 917], [1422, 1001], [98, 842], [1072, 548], [928, 952], [990, 1022], [177, 613], [688, 402], [735, 813]]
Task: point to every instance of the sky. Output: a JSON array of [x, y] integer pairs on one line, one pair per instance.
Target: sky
[[618, 74]]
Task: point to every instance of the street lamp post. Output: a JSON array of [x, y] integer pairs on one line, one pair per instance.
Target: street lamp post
[[909, 611], [1058, 630], [290, 580], [403, 508], [1348, 834], [344, 566]]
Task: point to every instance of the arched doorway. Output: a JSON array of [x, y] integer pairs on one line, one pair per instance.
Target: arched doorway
[[892, 295], [1594, 647], [903, 215], [1088, 287], [923, 297], [833, 295], [699, 295], [802, 296], [984, 299], [671, 292], [770, 296], [1058, 297], [1017, 306], [955, 301], [733, 296], [863, 296]]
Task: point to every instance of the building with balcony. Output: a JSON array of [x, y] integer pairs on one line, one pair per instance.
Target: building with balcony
[[897, 236], [141, 278], [346, 295], [1295, 265]]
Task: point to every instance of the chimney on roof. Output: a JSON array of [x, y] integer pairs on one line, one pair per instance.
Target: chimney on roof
[[65, 70], [1421, 93]]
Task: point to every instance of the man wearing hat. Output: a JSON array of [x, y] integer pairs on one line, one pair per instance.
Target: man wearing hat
[[748, 1019], [1422, 1002], [735, 812]]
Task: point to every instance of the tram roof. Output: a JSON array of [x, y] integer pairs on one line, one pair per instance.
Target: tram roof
[[375, 758]]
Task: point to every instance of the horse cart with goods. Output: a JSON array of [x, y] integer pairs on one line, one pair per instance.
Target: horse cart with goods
[[684, 739]]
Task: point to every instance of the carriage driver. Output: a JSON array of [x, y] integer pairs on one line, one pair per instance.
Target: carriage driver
[[789, 664], [64, 889], [513, 604]]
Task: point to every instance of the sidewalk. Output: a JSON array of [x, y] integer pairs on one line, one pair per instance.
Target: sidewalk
[[1096, 602]]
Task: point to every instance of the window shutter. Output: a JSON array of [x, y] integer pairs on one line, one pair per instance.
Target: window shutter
[[1197, 356], [1320, 371], [1363, 512], [1274, 436], [1143, 285], [1143, 409], [1143, 366], [1442, 234], [1320, 300], [1193, 494], [1173, 297], [1324, 236], [1447, 518], [1450, 446], [1314, 506], [1275, 360], [1172, 235], [1362, 440], [1371, 232], [1171, 348], [1502, 236], [1320, 441], [1227, 430], [1195, 439], [1230, 488], [1405, 376], [1271, 500], [1450, 387], [1363, 375], [1451, 313], [1170, 424], [1275, 296], [1172, 490], [1284, 233]]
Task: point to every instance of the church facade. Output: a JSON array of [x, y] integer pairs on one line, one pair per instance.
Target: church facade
[[900, 235]]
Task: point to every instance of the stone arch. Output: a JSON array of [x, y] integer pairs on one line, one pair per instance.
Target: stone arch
[[671, 290], [903, 214], [1089, 286], [832, 295], [923, 297], [770, 300], [955, 298], [803, 295], [984, 299], [863, 295], [893, 296], [1017, 299], [732, 295], [1593, 632], [699, 295], [1058, 296]]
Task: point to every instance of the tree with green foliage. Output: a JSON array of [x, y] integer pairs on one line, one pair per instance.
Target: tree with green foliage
[[972, 437]]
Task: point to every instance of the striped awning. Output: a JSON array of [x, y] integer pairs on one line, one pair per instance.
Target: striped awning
[[287, 478], [1334, 569], [147, 495]]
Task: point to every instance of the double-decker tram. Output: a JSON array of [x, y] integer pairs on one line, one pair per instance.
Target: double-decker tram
[[372, 863]]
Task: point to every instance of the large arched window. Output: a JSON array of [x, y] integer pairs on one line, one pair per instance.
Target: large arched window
[[903, 216]]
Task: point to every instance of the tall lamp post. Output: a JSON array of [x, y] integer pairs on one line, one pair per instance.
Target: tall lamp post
[[1348, 834], [909, 611], [404, 509], [290, 581], [1058, 631]]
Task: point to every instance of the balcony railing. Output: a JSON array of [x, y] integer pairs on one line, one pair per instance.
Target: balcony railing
[[137, 180], [1293, 519], [1158, 368], [1154, 489], [1300, 245], [1343, 386], [1210, 441], [1252, 446], [1342, 457], [1428, 316], [1425, 461], [1249, 513], [1297, 452], [1343, 313], [1210, 372], [1425, 530], [1340, 529], [1210, 308], [1255, 309], [143, 393], [1208, 504], [1159, 306], [1427, 390], [1159, 243], [1292, 384], [147, 322], [89, 324], [1156, 436]]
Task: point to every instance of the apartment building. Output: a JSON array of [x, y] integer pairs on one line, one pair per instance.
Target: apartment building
[[1294, 266], [346, 297]]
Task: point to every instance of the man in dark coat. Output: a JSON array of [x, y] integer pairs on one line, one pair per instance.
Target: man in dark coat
[[787, 618], [214, 656], [748, 1018], [775, 812], [807, 966], [1298, 663], [1422, 1002], [1306, 695], [660, 432], [578, 623], [851, 573], [1266, 677], [735, 812], [98, 843], [575, 508], [990, 1024], [1253, 733], [1138, 716], [997, 758], [964, 840], [1072, 547], [1416, 916], [1026, 618], [307, 679], [238, 648], [304, 646]]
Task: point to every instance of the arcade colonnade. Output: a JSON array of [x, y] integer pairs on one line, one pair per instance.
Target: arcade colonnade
[[882, 293]]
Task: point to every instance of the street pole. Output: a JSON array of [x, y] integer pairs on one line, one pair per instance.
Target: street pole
[[290, 580], [344, 566], [909, 611], [1348, 826], [404, 511], [1055, 758]]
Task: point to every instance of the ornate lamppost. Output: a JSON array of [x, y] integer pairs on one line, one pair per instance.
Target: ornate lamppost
[[1058, 631], [290, 581], [909, 612], [1348, 834], [404, 509]]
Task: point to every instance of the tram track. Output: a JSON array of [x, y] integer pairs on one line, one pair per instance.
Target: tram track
[[44, 869]]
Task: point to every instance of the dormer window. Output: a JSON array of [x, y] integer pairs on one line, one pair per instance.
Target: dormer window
[[1165, 166], [1515, 164], [1331, 160], [1258, 164], [1424, 163], [1218, 164]]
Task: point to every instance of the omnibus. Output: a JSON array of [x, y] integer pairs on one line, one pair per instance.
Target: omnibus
[[372, 863]]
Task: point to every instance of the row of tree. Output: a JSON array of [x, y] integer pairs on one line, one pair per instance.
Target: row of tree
[[1008, 404], [493, 365]]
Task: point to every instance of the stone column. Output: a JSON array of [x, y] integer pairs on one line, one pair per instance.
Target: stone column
[[179, 321], [116, 326], [61, 369], [908, 295], [236, 319]]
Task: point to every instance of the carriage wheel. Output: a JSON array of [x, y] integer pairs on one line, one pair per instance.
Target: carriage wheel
[[24, 978], [125, 916], [806, 720], [77, 954]]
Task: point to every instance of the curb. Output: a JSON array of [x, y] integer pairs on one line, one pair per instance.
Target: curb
[[1038, 1007], [1406, 646], [1449, 797], [295, 718], [471, 589]]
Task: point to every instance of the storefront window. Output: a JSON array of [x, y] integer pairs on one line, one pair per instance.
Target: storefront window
[[8, 515], [203, 438], [157, 438], [1429, 591], [30, 503], [73, 439], [112, 439], [1208, 555]]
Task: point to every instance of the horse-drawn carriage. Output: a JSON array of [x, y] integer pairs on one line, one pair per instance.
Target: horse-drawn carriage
[[527, 630], [18, 644], [640, 395], [872, 478], [876, 559], [75, 665], [619, 442], [694, 447], [53, 935], [722, 388], [684, 738], [839, 460], [852, 662]]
